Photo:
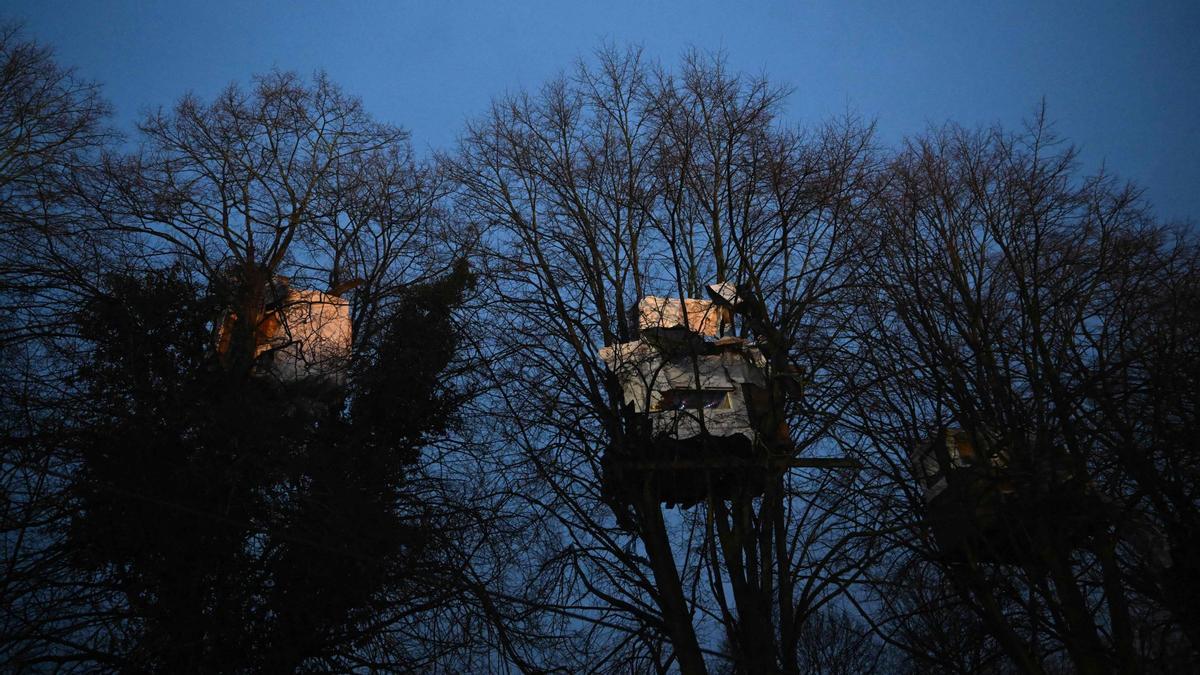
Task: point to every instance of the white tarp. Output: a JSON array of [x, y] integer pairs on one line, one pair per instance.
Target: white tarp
[[647, 377]]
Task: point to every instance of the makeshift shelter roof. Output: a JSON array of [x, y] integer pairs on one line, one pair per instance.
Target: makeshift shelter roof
[[699, 316]]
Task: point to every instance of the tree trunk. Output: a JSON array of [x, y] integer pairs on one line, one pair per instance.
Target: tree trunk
[[671, 601]]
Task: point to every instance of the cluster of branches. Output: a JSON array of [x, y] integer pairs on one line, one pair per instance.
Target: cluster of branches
[[169, 508], [970, 280], [623, 181], [1050, 316], [168, 505]]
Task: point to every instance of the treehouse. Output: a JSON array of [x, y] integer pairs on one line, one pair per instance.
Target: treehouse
[[699, 408], [982, 502], [301, 336], [964, 492]]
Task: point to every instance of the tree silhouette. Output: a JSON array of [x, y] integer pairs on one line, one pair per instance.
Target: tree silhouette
[[197, 477], [246, 522]]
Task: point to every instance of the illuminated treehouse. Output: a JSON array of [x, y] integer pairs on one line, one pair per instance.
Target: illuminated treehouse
[[703, 410], [299, 335]]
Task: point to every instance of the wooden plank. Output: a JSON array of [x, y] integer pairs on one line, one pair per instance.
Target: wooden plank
[[734, 463]]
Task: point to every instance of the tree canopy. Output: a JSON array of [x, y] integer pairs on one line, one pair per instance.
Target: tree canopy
[[972, 368]]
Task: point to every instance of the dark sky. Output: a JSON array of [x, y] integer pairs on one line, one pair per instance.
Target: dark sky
[[1121, 80]]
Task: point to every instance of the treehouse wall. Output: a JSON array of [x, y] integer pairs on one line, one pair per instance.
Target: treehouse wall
[[313, 339], [308, 337], [686, 395]]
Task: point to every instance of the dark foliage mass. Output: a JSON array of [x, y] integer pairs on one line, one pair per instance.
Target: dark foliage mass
[[461, 491], [402, 399], [246, 522]]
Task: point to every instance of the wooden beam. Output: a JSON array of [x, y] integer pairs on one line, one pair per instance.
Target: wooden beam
[[735, 463]]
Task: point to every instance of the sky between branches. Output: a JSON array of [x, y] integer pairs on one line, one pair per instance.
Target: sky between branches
[[1121, 80]]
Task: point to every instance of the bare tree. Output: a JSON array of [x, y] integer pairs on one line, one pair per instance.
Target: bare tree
[[1007, 349], [620, 182], [137, 442], [52, 129], [995, 308]]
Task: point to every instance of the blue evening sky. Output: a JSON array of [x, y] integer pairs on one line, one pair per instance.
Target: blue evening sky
[[1121, 79]]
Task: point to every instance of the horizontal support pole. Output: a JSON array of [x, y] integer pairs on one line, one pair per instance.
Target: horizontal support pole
[[734, 463]]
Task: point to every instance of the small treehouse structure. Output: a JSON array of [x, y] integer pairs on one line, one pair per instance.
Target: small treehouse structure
[[984, 502], [702, 410], [300, 336]]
